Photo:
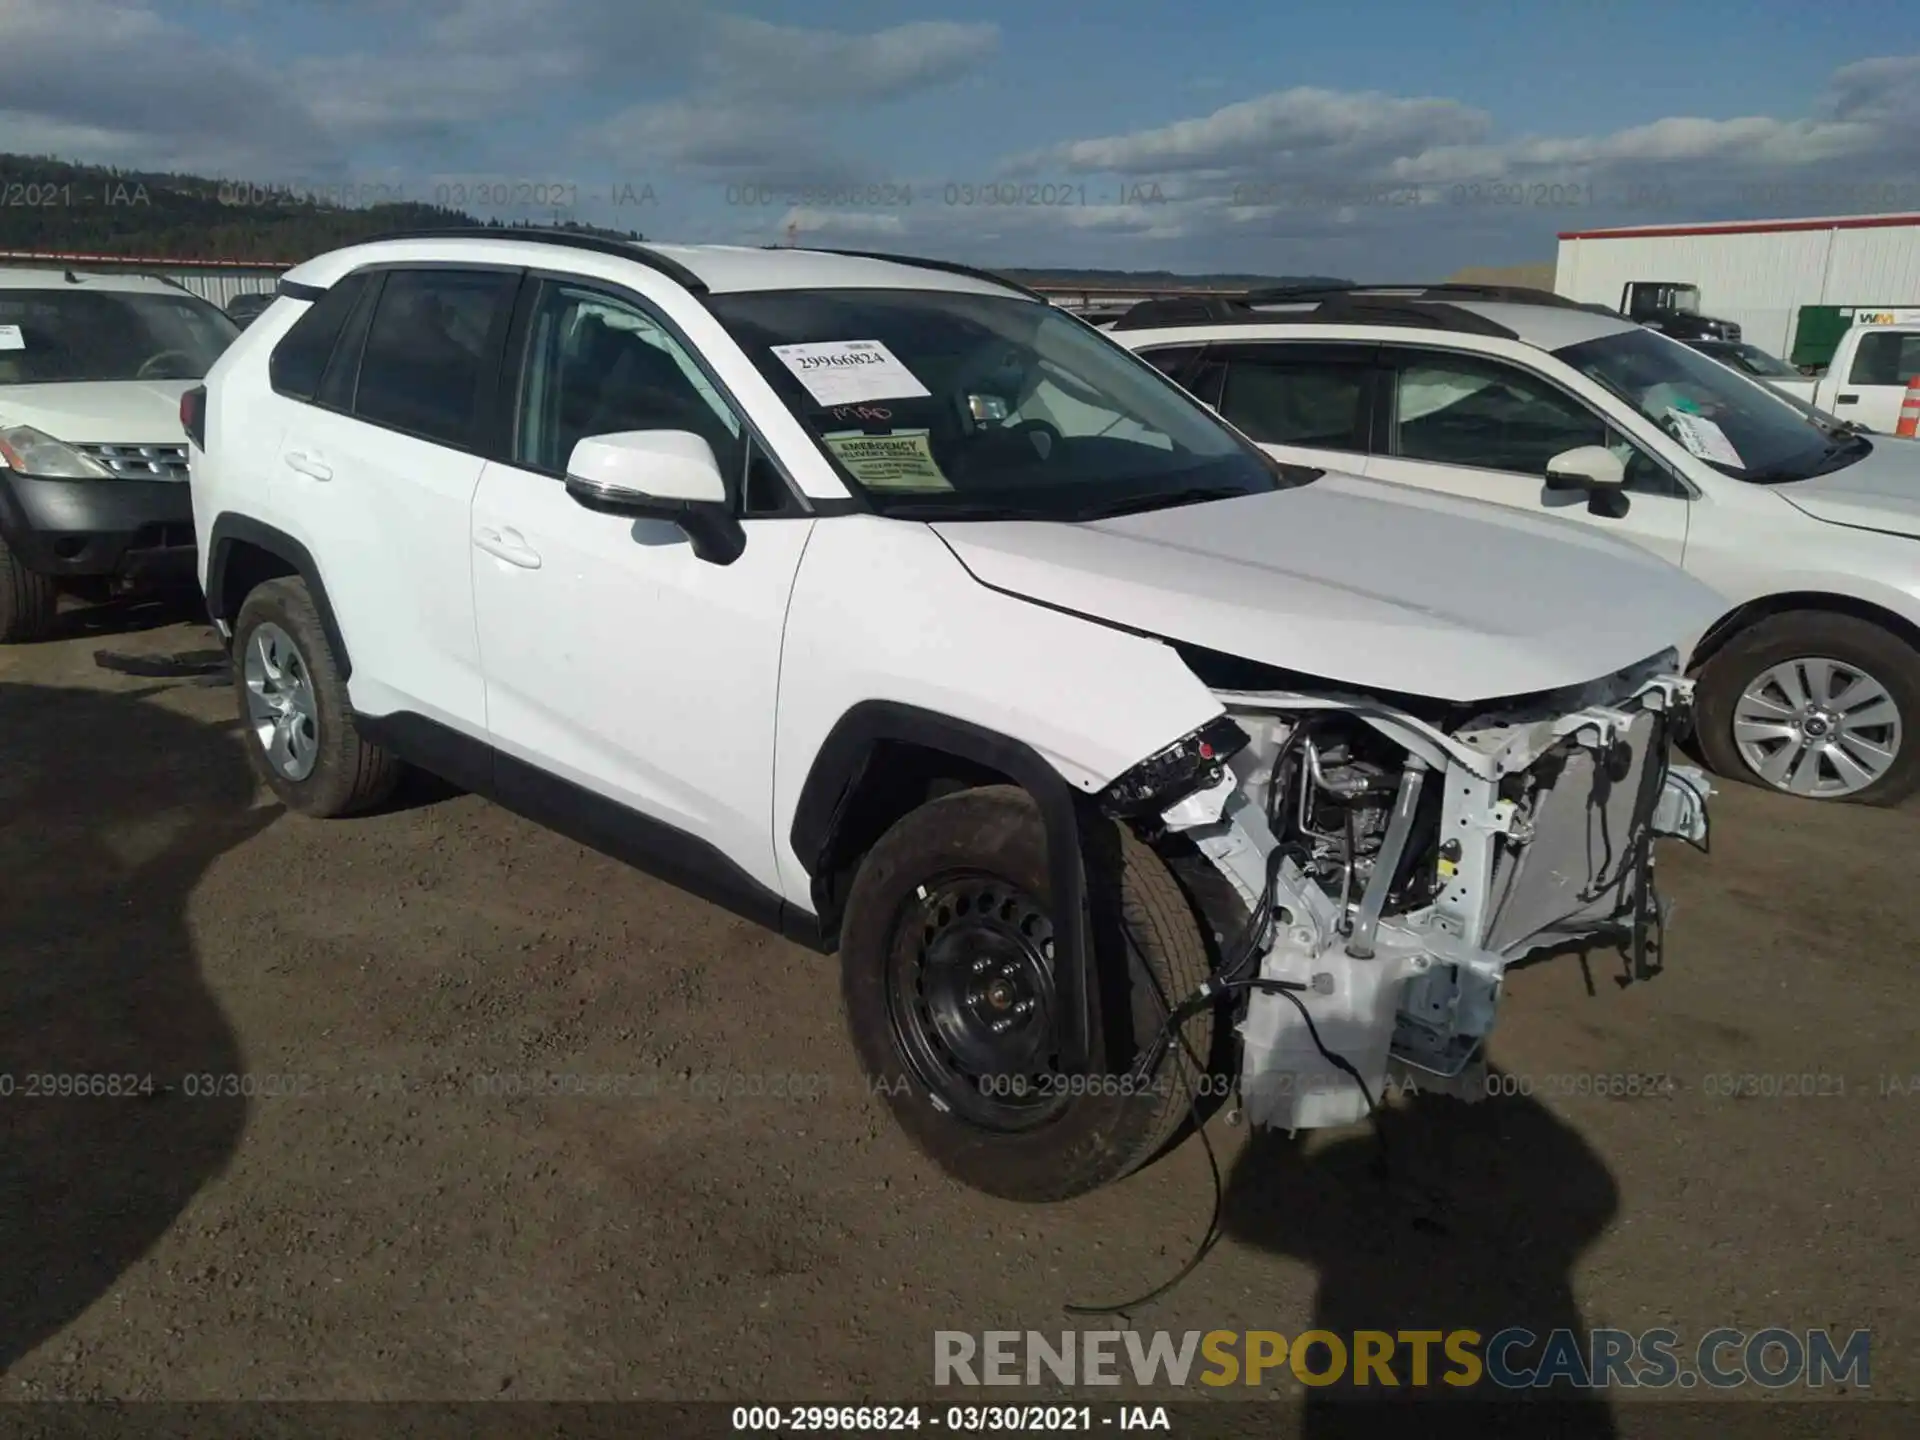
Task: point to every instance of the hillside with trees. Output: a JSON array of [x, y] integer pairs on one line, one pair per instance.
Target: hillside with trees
[[49, 205]]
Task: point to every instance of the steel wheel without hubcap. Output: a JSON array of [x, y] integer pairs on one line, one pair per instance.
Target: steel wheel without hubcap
[[1817, 727], [280, 704], [970, 994]]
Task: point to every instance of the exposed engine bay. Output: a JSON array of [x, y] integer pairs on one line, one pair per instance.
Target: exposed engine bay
[[1391, 867]]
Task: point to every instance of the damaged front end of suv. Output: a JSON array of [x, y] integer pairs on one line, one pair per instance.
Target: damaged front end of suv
[[1392, 858]]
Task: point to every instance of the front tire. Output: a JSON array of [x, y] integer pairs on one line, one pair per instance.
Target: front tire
[[1816, 704], [28, 600], [946, 972], [294, 706]]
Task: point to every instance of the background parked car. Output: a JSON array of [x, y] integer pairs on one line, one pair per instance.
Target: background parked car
[[93, 464], [1810, 680]]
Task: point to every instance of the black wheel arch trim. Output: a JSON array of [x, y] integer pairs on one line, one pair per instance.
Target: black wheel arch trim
[[1083, 953], [230, 529]]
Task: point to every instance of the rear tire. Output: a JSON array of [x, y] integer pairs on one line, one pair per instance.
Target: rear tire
[[1764, 684], [28, 600], [948, 933], [293, 704]]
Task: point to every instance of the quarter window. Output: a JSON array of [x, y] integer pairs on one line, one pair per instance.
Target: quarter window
[[428, 349], [298, 361]]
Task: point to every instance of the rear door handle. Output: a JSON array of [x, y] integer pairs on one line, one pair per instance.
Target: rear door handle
[[508, 545], [1848, 400], [307, 465]]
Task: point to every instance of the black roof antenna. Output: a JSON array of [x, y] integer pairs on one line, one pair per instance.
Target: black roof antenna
[[72, 279]]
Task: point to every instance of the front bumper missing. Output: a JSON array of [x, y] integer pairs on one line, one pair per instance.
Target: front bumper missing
[[1551, 818]]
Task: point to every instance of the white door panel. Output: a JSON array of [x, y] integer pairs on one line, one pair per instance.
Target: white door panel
[[1657, 522], [1875, 406], [388, 514], [618, 660]]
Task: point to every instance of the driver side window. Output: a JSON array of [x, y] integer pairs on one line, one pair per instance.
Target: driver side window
[[598, 366], [1464, 410]]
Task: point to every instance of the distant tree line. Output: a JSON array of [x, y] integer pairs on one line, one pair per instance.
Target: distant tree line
[[52, 205], [47, 204]]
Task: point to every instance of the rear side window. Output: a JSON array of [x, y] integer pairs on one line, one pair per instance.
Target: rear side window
[[1298, 402], [433, 340], [299, 360], [1888, 358]]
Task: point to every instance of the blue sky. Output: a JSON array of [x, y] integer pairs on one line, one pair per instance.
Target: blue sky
[[1379, 140]]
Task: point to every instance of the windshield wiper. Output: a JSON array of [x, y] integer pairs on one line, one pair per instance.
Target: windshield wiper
[[1161, 500]]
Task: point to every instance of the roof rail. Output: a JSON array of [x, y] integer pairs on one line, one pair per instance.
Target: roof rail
[[625, 249], [1448, 290], [949, 267], [1316, 305]]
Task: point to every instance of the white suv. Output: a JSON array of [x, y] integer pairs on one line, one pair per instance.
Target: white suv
[[1810, 531], [887, 604], [93, 471]]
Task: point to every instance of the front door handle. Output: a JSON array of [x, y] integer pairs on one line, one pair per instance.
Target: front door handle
[[508, 545], [307, 465], [1848, 400]]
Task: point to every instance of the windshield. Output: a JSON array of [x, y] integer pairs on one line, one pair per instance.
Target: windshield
[[952, 404], [1739, 426], [50, 337]]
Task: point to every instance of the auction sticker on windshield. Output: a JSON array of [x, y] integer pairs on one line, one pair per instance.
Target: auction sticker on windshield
[[11, 338], [900, 461], [1704, 438], [846, 372]]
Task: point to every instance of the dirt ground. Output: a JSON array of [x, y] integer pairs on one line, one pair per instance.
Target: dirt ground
[[384, 1227]]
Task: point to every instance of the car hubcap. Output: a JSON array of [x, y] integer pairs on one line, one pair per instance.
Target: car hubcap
[[1817, 727], [280, 703], [971, 997]]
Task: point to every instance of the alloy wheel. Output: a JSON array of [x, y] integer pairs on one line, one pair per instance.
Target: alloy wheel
[[1817, 727], [280, 702]]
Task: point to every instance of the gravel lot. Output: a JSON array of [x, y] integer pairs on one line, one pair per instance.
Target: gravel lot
[[386, 1230]]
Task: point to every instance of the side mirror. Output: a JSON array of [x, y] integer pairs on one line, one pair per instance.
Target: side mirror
[[1596, 470], [666, 475]]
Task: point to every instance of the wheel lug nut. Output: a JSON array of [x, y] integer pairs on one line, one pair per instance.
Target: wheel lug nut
[[1000, 1027]]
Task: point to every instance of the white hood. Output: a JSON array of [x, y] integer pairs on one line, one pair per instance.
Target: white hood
[[1881, 492], [1372, 585], [100, 412]]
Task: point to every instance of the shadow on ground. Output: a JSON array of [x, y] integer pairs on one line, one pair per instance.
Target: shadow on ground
[[111, 808], [1476, 1221]]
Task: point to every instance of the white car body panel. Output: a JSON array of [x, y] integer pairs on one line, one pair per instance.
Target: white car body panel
[[401, 507], [680, 658], [883, 611], [99, 412], [1357, 583]]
